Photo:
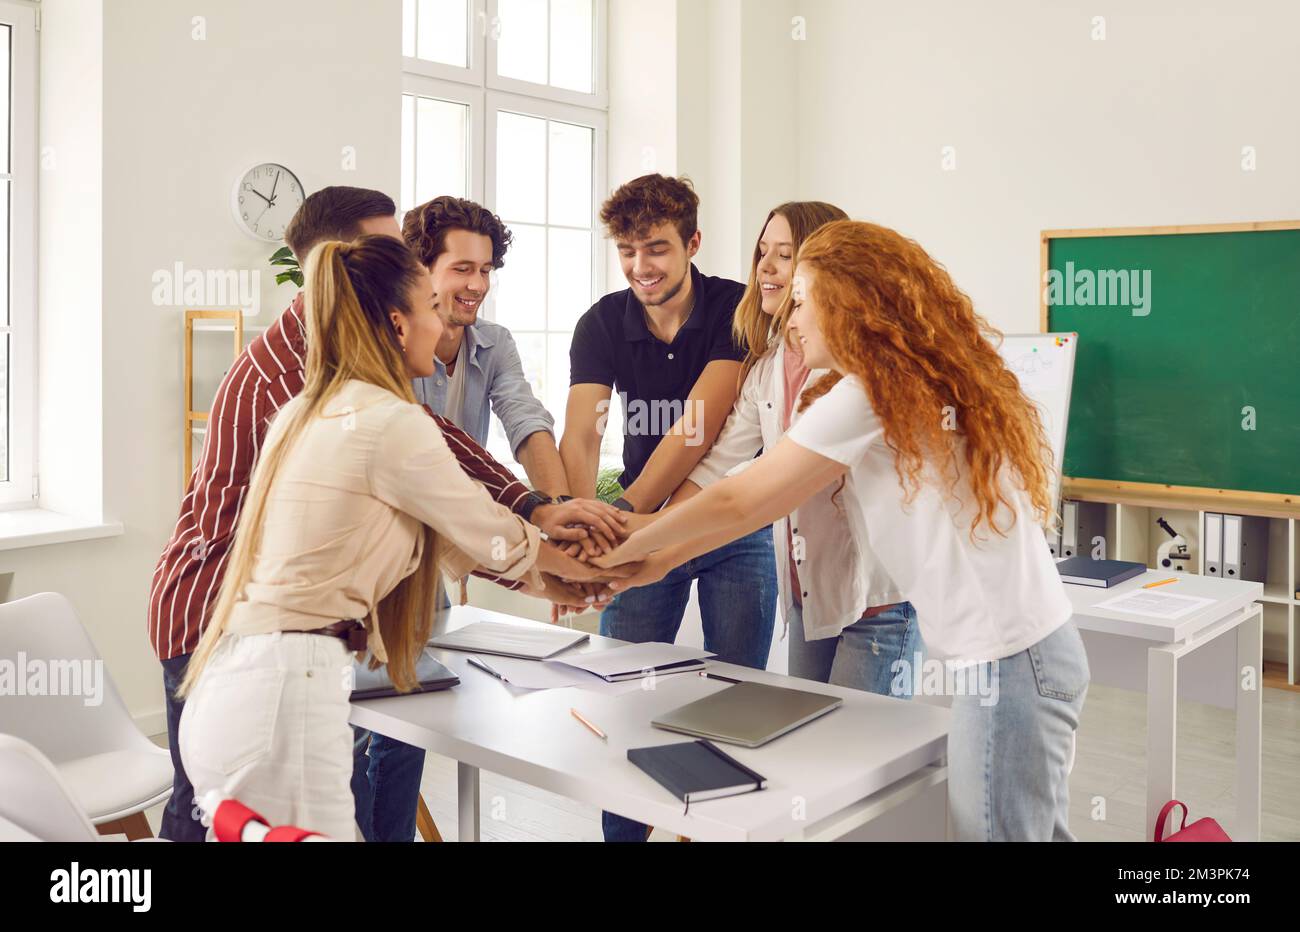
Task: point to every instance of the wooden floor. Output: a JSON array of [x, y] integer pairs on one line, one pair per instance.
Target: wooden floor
[[1107, 787]]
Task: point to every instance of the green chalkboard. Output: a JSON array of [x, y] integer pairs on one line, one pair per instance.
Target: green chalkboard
[[1191, 378]]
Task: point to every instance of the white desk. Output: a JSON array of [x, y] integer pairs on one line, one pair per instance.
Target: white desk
[[1141, 653], [873, 762]]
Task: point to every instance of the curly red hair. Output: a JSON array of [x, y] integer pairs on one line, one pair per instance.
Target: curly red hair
[[892, 316]]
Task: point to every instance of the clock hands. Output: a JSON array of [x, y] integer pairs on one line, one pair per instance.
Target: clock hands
[[269, 200], [276, 182]]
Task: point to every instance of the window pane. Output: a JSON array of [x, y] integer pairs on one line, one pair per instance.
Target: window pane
[[443, 28], [442, 140], [521, 46], [521, 168], [569, 282], [5, 92], [521, 286], [556, 397], [6, 207], [408, 152], [408, 28], [571, 45], [570, 171]]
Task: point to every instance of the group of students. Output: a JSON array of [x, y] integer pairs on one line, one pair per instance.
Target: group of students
[[845, 439]]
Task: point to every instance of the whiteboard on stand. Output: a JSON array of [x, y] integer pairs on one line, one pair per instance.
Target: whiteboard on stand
[[1044, 364]]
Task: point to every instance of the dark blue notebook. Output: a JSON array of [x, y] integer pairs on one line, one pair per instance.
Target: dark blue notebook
[[1101, 574], [696, 770]]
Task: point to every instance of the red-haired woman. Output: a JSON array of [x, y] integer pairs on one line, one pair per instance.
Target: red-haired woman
[[943, 469]]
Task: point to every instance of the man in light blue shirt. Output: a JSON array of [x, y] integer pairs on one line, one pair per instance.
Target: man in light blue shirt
[[477, 366]]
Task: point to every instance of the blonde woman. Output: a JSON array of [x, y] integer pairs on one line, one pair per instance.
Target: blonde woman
[[846, 620], [355, 506]]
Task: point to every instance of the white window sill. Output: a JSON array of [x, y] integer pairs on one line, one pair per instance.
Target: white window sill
[[36, 527]]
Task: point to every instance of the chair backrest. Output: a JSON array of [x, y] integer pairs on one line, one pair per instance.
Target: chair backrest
[[54, 689], [34, 798]]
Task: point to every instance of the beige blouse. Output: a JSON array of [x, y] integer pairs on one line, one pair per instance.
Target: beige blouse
[[344, 513]]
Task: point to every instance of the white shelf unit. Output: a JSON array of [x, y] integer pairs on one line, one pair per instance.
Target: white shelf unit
[[1132, 534]]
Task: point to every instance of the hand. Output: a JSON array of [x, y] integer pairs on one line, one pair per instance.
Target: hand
[[599, 526], [568, 596], [629, 551], [651, 570], [551, 559]]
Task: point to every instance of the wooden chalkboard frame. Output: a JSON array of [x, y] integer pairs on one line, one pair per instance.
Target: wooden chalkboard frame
[[1147, 493]]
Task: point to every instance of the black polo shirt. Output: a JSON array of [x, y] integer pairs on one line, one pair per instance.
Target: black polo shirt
[[613, 346]]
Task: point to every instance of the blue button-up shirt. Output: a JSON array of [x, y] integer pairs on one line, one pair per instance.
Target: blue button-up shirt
[[494, 381]]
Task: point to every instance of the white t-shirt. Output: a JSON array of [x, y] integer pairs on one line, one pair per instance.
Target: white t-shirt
[[975, 601], [454, 410]]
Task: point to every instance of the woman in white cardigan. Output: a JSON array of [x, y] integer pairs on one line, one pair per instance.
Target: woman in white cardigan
[[846, 621]]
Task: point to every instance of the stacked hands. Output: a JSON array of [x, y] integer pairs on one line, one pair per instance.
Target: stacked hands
[[591, 554]]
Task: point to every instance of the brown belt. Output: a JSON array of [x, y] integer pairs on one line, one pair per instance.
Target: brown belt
[[351, 632]]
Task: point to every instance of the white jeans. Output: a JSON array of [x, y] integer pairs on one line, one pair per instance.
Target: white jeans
[[267, 724]]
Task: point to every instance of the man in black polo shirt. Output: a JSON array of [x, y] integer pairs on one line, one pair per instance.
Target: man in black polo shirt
[[665, 345]]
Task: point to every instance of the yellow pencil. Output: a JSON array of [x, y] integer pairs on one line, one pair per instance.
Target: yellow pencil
[[1163, 582], [592, 728]]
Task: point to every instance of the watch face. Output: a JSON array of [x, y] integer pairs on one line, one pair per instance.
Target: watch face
[[265, 200]]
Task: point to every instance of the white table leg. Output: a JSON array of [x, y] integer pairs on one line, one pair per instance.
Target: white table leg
[[467, 796], [1250, 718], [1162, 731]]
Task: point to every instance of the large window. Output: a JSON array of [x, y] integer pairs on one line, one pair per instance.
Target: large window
[[504, 102], [17, 254]]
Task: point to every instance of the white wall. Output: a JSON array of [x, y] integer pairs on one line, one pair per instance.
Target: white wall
[[1051, 128], [182, 118]]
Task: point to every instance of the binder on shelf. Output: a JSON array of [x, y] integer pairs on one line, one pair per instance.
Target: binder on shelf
[[1213, 544], [1232, 546], [1069, 529], [1245, 548]]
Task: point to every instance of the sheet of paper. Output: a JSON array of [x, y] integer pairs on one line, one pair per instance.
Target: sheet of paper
[[530, 675], [1152, 603], [630, 658], [495, 638]]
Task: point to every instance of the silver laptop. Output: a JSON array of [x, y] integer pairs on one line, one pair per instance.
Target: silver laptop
[[748, 714]]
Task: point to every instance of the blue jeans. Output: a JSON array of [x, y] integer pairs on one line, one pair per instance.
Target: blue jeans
[[1010, 751], [737, 589], [386, 777], [179, 821], [863, 656]]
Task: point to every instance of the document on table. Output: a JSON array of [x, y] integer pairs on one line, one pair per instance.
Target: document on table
[[636, 661], [1153, 604], [532, 674]]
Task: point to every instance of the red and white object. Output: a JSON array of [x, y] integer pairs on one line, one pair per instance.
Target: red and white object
[[231, 820]]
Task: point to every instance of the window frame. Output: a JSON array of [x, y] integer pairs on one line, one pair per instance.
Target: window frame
[[21, 488], [486, 93], [598, 99]]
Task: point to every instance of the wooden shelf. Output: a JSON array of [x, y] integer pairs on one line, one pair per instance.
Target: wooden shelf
[[225, 321], [1263, 504]]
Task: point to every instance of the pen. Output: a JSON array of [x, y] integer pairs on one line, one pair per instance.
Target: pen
[[475, 662], [1163, 582], [717, 676], [592, 728]]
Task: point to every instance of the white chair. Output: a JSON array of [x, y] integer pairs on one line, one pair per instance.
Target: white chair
[[35, 803], [112, 770]]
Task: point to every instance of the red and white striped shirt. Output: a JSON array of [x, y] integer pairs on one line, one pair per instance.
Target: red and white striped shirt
[[264, 377]]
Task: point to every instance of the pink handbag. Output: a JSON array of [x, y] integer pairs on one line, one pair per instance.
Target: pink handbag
[[1201, 830]]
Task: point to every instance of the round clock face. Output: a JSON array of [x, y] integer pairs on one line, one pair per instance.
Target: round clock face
[[265, 200]]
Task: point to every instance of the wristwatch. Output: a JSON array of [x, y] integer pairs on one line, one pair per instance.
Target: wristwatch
[[530, 503], [622, 504]]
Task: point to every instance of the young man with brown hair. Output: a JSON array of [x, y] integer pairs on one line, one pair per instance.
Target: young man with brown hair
[[665, 344], [477, 368]]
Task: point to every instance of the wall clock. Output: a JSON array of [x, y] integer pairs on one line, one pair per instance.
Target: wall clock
[[265, 199]]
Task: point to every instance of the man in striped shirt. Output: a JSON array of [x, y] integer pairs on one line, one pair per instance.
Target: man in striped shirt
[[188, 575]]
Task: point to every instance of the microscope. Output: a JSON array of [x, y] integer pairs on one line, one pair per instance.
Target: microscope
[[1172, 554]]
